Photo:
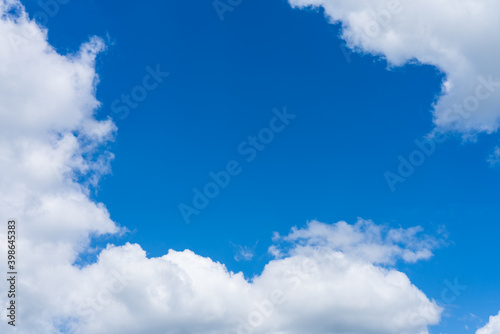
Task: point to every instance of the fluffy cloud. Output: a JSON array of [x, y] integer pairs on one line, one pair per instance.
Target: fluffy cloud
[[493, 326], [50, 141], [317, 289], [49, 138], [459, 38]]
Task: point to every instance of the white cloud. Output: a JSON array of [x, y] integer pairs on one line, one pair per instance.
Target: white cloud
[[244, 253], [319, 291], [364, 240], [493, 326], [49, 138], [459, 38]]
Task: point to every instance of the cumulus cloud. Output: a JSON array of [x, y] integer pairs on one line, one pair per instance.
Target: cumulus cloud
[[318, 290], [493, 326], [49, 138], [459, 38], [50, 141]]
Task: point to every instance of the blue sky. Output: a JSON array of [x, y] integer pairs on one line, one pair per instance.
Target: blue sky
[[355, 116]]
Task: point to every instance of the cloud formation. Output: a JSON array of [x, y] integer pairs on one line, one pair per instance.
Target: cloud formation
[[459, 38], [493, 326], [364, 240], [329, 278], [49, 139], [316, 289]]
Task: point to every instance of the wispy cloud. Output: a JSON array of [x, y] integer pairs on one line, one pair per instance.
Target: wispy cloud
[[244, 253], [364, 240], [494, 158]]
